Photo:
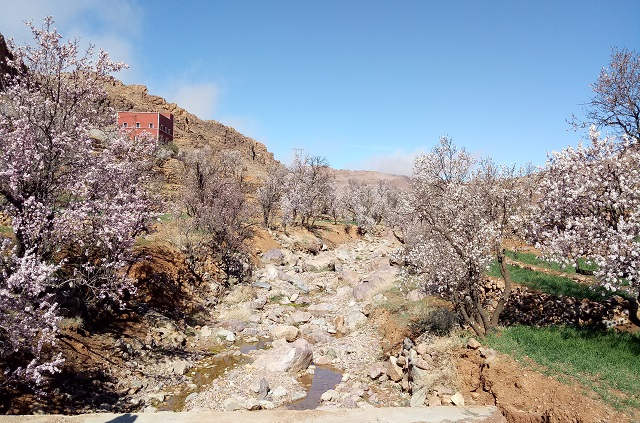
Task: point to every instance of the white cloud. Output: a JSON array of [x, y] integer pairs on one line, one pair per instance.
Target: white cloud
[[111, 25], [396, 163], [201, 99]]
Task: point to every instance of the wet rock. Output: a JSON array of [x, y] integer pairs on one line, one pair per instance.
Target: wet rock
[[290, 333]]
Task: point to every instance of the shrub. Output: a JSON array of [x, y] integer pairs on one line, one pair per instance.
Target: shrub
[[440, 321]]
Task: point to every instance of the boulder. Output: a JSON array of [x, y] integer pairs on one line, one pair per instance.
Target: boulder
[[376, 370], [279, 392], [299, 317], [418, 398], [457, 399], [354, 319], [290, 333], [328, 395], [372, 284], [226, 335], [270, 272], [275, 255], [393, 370], [284, 356], [231, 404], [422, 378]]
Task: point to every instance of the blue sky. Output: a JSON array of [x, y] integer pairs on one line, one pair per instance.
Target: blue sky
[[365, 83]]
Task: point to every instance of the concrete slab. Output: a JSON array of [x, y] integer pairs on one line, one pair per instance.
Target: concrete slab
[[365, 415]]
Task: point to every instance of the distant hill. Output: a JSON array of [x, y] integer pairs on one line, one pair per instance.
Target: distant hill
[[370, 177]]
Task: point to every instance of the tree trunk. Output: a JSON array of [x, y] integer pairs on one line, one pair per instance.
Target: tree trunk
[[506, 276]]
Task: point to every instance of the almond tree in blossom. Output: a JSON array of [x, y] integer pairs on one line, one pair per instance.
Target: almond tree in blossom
[[461, 210], [589, 208], [307, 186], [74, 191], [615, 104]]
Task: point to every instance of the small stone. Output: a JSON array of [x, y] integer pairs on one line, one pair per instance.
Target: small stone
[[321, 360], [393, 370], [266, 405], [345, 377], [475, 395], [422, 348], [402, 360], [434, 400], [294, 297], [418, 398], [384, 378], [231, 404], [263, 388], [457, 399], [376, 370], [421, 364], [473, 344], [328, 395], [290, 333], [279, 392]]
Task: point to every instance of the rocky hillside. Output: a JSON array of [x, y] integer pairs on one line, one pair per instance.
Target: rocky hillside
[[191, 132]]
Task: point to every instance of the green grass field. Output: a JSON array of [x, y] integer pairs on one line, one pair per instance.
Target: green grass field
[[552, 284], [534, 260], [606, 362]]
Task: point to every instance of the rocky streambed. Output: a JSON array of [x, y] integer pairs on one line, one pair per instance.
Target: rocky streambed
[[300, 336]]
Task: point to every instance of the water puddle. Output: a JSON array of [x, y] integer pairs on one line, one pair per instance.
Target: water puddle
[[323, 379], [206, 371], [263, 343], [202, 375]]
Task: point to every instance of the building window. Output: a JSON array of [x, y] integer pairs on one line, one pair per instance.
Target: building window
[[124, 125], [151, 125], [137, 124]]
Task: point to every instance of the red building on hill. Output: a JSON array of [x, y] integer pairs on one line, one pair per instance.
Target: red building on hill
[[160, 125]]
